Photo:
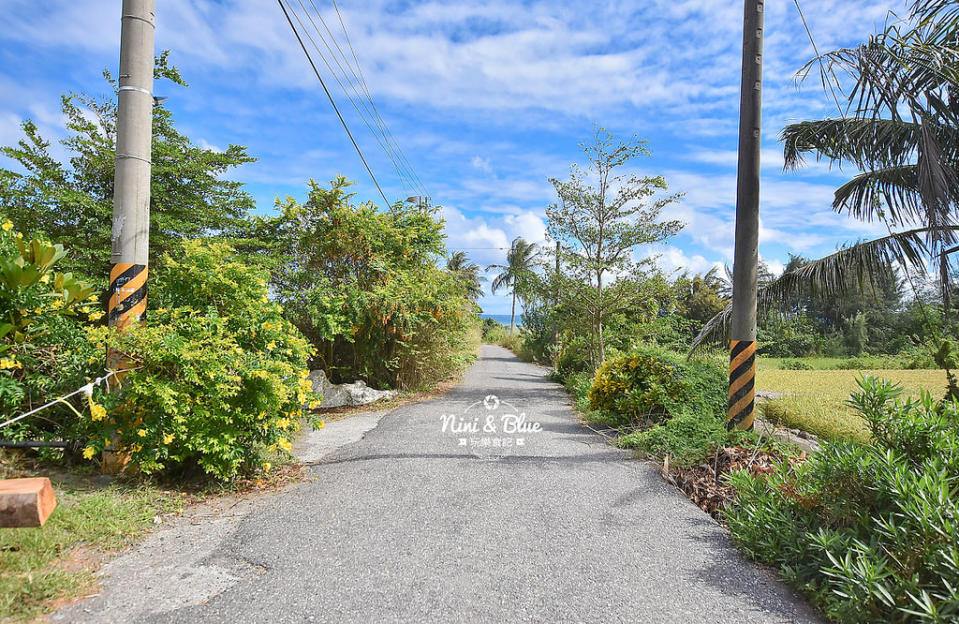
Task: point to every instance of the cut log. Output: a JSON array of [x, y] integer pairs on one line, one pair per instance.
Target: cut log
[[26, 502]]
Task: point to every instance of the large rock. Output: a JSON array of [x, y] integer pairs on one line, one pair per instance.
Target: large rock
[[338, 395]]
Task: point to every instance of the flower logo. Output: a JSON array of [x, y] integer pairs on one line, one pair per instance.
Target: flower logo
[[491, 402]]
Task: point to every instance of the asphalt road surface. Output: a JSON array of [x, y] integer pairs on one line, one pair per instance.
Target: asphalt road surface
[[415, 518]]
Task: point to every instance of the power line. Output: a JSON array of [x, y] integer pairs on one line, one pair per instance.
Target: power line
[[361, 81], [332, 101], [359, 68], [387, 148]]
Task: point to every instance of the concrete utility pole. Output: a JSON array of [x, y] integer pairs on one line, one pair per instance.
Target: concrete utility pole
[[131, 192], [742, 347]]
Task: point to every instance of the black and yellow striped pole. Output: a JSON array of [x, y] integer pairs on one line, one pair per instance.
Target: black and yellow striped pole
[[131, 193], [742, 333]]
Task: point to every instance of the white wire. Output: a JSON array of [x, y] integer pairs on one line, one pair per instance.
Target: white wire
[[87, 389]]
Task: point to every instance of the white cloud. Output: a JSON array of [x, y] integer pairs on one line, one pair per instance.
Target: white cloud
[[482, 164]]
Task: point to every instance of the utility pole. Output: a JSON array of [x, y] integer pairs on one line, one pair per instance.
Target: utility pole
[[131, 189], [131, 185], [742, 346]]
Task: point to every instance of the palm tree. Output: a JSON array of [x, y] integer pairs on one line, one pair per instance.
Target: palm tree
[[467, 273], [900, 128], [520, 261]]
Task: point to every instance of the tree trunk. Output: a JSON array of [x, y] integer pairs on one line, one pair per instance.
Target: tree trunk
[[599, 318], [944, 284], [512, 315]]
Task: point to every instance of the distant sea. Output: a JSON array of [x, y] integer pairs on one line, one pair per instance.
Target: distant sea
[[503, 318]]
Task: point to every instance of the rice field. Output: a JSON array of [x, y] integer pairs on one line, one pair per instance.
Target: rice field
[[814, 400]]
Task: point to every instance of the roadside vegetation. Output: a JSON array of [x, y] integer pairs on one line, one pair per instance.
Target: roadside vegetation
[[858, 348], [241, 307]]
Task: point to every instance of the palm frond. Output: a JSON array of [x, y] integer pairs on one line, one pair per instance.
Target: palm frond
[[849, 267], [867, 143]]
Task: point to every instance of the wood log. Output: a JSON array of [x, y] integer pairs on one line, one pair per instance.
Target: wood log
[[26, 502]]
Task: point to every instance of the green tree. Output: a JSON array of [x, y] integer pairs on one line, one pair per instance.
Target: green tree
[[72, 202], [364, 286], [467, 272], [521, 260], [700, 297], [600, 220]]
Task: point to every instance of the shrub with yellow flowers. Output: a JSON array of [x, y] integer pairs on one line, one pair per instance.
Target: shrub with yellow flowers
[[649, 385], [219, 376], [44, 352]]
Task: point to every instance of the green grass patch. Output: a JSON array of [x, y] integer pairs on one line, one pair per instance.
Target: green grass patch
[[40, 565]]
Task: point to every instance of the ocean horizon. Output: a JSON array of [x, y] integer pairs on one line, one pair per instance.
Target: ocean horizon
[[503, 319]]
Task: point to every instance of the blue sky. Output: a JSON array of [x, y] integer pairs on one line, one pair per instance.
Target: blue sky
[[487, 99]]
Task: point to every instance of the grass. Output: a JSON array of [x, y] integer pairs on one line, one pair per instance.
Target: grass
[[815, 399], [43, 566]]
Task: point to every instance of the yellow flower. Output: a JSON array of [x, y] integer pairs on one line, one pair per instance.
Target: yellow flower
[[88, 452], [322, 424], [19, 234], [93, 359], [7, 226], [284, 444], [97, 412], [315, 404], [303, 374], [271, 346], [96, 315], [142, 433], [161, 310], [168, 438], [44, 279], [267, 466], [6, 363]]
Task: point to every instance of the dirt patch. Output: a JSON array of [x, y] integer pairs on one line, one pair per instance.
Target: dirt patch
[[707, 484]]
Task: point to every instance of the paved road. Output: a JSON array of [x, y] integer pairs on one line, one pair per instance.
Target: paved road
[[409, 524]]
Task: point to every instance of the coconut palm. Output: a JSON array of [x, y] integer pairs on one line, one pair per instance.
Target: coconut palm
[[900, 129], [520, 261], [467, 273]]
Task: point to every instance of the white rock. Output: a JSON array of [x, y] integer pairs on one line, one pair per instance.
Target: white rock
[[337, 395]]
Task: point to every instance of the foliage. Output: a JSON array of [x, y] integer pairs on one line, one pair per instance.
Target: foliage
[[364, 287], [600, 220], [520, 261], [493, 331], [686, 438], [868, 530], [651, 385], [43, 350], [467, 273], [217, 380], [701, 297], [72, 203]]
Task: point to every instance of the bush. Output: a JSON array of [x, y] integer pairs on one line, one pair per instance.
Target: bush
[[687, 438], [218, 380], [793, 364], [493, 331], [44, 352], [651, 385], [573, 356], [364, 287], [869, 530]]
